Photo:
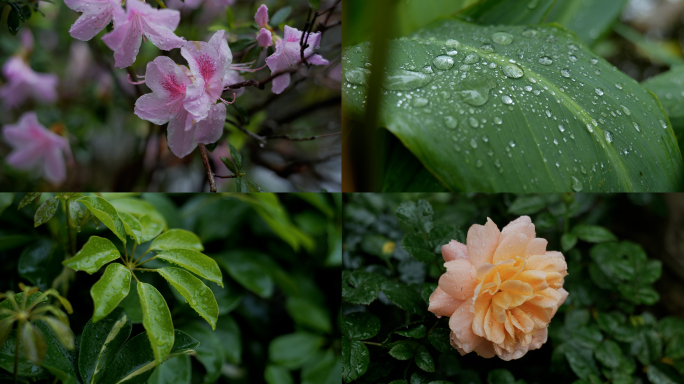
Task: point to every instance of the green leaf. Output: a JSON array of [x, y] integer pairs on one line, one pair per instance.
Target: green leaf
[[675, 347], [418, 247], [608, 353], [177, 239], [195, 262], [198, 295], [593, 233], [590, 20], [314, 4], [281, 15], [132, 226], [100, 342], [643, 159], [417, 215], [6, 200], [653, 49], [13, 21], [439, 338], [415, 330], [326, 370], [660, 373], [131, 304], [97, 252], [229, 164], [568, 241], [403, 350], [209, 352], [174, 371], [360, 287], [59, 360], [668, 87], [248, 272], [581, 362], [45, 211], [135, 362], [308, 314], [355, 359], [443, 234], [106, 213], [235, 154], [670, 326], [228, 333], [151, 228], [156, 320], [405, 173], [360, 326], [527, 205], [414, 14], [277, 375], [39, 263], [498, 12], [25, 368], [608, 322], [500, 376], [139, 208], [28, 199], [33, 343], [294, 349], [424, 360], [108, 292], [403, 296], [251, 186], [647, 346]]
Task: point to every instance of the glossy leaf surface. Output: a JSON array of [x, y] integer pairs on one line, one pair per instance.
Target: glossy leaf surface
[[198, 295], [40, 262], [25, 368], [100, 342], [498, 12], [481, 118], [294, 349], [106, 213], [589, 19], [195, 262], [209, 353], [108, 292], [60, 360], [97, 252], [132, 226], [669, 87], [174, 371], [156, 320], [248, 272], [45, 211], [177, 239]]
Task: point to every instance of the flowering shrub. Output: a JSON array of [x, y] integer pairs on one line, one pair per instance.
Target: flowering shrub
[[418, 294], [198, 67]]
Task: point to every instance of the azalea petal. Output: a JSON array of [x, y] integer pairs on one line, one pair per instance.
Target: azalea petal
[[454, 250], [442, 304], [24, 132], [125, 41], [459, 280], [202, 59], [54, 169], [166, 78], [264, 38], [13, 94], [181, 140], [96, 16], [44, 88], [155, 108], [510, 247], [280, 83], [197, 101], [460, 324], [316, 60], [482, 242], [164, 18], [160, 35], [26, 157], [209, 130], [261, 16], [224, 55]]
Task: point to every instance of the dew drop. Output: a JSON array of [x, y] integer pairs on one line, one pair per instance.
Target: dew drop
[[473, 143], [443, 62], [561, 127], [471, 58], [573, 58], [528, 88], [594, 61], [565, 72], [358, 76], [590, 128], [663, 124], [487, 48], [530, 33], [497, 120], [419, 102], [512, 70], [453, 44], [618, 85], [599, 91], [545, 60], [403, 80], [478, 163], [627, 111], [512, 144], [576, 184], [502, 38], [609, 137], [506, 99], [636, 126], [450, 122], [473, 123]]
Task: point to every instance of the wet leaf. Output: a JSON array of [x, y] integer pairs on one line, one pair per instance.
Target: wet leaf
[[559, 119], [100, 342], [360, 326], [403, 350], [294, 349], [418, 247], [590, 20], [156, 320], [248, 272], [46, 211], [209, 352], [132, 226], [668, 87], [151, 228], [405, 297], [174, 371], [198, 295], [59, 360], [138, 208], [326, 370], [195, 262], [40, 262], [106, 213], [424, 360], [6, 200], [308, 314], [25, 368], [28, 199], [108, 292], [416, 214], [33, 345], [177, 239], [498, 12], [97, 252], [355, 359], [360, 287], [237, 158], [593, 233]]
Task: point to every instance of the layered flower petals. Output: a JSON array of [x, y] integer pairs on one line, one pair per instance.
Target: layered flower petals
[[509, 285], [97, 14]]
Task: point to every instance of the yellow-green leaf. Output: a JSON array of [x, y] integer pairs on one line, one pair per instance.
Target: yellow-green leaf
[[195, 262], [156, 320], [95, 253], [108, 292], [106, 213], [177, 239], [132, 226], [198, 295]]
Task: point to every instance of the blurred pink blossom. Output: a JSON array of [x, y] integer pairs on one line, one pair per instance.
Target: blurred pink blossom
[[288, 55], [23, 82], [95, 17], [264, 37], [36, 147], [141, 20]]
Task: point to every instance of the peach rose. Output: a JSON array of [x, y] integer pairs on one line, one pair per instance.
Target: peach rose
[[500, 290]]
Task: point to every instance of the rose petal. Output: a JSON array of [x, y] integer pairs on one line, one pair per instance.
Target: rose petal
[[460, 324], [459, 281], [443, 304], [512, 246], [482, 242], [454, 250]]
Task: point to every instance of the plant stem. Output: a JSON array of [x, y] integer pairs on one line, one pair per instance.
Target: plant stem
[[161, 4], [16, 352], [141, 256], [210, 173], [145, 269], [369, 343], [150, 259]]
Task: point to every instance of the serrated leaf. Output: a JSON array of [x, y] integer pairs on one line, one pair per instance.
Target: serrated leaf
[[156, 320], [198, 295], [439, 338], [195, 262], [45, 211], [294, 349], [177, 239], [106, 213], [100, 342], [28, 199], [459, 157], [416, 214], [418, 247], [108, 292], [135, 362], [360, 326], [403, 296], [355, 359], [97, 252], [360, 287], [132, 226]]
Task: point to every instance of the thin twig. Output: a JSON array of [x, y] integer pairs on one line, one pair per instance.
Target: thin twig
[[287, 137], [226, 177], [207, 166]]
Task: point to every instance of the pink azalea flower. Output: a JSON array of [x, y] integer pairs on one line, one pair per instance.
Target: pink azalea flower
[[35, 146], [141, 20], [264, 37], [95, 17], [288, 55], [23, 82]]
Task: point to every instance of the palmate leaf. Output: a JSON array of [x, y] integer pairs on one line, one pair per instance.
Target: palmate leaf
[[106, 213], [518, 109], [195, 262]]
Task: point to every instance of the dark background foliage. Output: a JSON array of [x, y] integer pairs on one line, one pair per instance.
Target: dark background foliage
[[225, 225], [616, 326]]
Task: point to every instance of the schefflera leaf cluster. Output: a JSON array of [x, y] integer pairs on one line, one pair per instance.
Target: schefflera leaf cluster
[[179, 247]]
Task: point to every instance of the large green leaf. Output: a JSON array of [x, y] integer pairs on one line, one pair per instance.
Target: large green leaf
[[195, 262], [498, 12], [135, 361], [59, 360], [100, 342], [106, 213], [177, 239], [132, 226], [39, 263], [198, 295], [491, 109], [308, 314], [589, 19], [210, 351], [25, 368], [108, 292], [95, 253], [325, 370], [138, 208], [294, 349], [156, 320], [669, 87], [175, 371], [248, 272]]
